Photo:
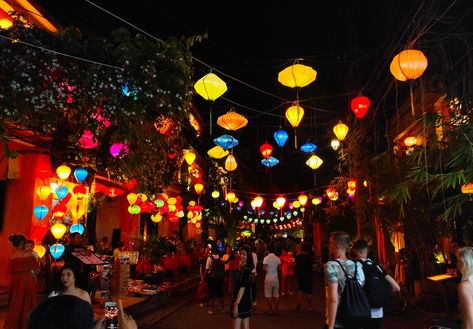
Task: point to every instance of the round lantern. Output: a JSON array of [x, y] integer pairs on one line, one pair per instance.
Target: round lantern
[[134, 209], [467, 188], [340, 130], [57, 250], [296, 204], [156, 218], [302, 199], [40, 250], [79, 191], [226, 142], [210, 87], [198, 188], [231, 196], [266, 150], [335, 144], [77, 228], [43, 192], [280, 137], [316, 201], [88, 140], [410, 141], [215, 194], [232, 121], [189, 156], [80, 174], [230, 163], [294, 115], [280, 202], [63, 172], [59, 211], [408, 64], [269, 162], [217, 152], [314, 162], [360, 105], [132, 197], [119, 150], [40, 211], [297, 75], [351, 184], [258, 201], [58, 230]]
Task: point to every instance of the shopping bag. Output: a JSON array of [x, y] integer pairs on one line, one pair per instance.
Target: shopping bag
[[202, 294]]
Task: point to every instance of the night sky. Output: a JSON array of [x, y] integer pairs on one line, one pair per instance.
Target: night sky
[[346, 42]]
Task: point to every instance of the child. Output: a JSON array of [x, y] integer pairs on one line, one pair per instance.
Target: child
[[29, 246]]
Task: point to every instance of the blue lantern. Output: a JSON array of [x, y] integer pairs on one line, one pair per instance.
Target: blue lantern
[[269, 162], [129, 92], [40, 211], [226, 142], [79, 228], [80, 174], [308, 147], [57, 250], [62, 191], [280, 137]]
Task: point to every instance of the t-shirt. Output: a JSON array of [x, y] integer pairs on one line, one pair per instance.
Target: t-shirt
[[272, 262], [333, 273]]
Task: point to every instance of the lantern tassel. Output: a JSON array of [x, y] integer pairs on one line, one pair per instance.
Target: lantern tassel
[[295, 138], [210, 117], [413, 111]]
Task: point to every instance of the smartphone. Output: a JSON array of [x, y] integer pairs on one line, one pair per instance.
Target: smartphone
[[111, 315]]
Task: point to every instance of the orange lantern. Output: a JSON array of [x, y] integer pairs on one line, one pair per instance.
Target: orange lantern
[[280, 202], [302, 199], [198, 188], [408, 64], [230, 163], [232, 121], [352, 184], [258, 201], [467, 188], [266, 150]]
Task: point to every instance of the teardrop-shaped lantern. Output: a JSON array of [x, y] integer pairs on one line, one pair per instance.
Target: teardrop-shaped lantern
[[199, 187], [360, 105], [77, 228], [308, 147], [79, 191], [335, 144], [294, 115], [269, 162], [232, 121], [280, 137], [266, 150], [314, 162], [408, 64], [258, 202], [297, 75], [226, 142], [217, 152], [58, 230], [230, 163], [40, 250], [231, 197], [80, 174], [132, 197], [62, 191], [59, 211], [43, 192], [340, 130], [302, 199], [189, 156], [210, 87], [57, 250], [40, 211], [63, 172]]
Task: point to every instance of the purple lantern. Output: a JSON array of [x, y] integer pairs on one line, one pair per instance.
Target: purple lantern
[[119, 150]]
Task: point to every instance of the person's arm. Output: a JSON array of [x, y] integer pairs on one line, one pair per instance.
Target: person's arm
[[466, 305], [331, 297], [241, 291], [85, 296], [393, 283]]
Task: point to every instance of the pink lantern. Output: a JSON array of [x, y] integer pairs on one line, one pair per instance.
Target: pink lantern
[[119, 150], [88, 140]]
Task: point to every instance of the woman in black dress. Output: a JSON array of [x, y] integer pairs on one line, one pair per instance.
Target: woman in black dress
[[240, 308]]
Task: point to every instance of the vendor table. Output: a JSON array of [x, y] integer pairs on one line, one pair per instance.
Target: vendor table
[[444, 279]]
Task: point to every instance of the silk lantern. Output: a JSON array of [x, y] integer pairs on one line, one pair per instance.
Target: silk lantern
[[79, 191], [308, 147], [258, 201], [40, 211], [467, 188], [189, 156], [314, 162], [294, 115], [77, 228], [62, 191], [59, 211], [280, 137], [280, 201], [119, 150], [40, 250], [316, 201], [217, 152], [340, 130], [231, 196], [269, 162], [297, 75], [210, 87], [230, 163], [410, 141], [302, 199], [43, 192], [88, 140], [57, 250], [80, 174], [198, 188], [232, 121], [226, 142], [335, 144], [63, 172], [58, 230], [215, 194], [266, 150], [132, 197], [360, 105]]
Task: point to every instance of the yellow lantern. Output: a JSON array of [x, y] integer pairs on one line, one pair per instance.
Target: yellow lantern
[[230, 197], [294, 115], [296, 204], [43, 192], [351, 184], [156, 218], [132, 197], [189, 156], [235, 200], [230, 163], [297, 75], [232, 121], [217, 152], [215, 194], [210, 87], [258, 201], [63, 172], [197, 225], [314, 162], [467, 188], [58, 230], [410, 141], [316, 201], [275, 205], [340, 130], [198, 188], [280, 201], [40, 250], [302, 199]]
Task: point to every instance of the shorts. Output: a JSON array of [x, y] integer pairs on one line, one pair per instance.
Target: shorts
[[215, 288], [271, 287]]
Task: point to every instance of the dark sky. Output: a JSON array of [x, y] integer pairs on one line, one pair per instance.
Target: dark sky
[[344, 41]]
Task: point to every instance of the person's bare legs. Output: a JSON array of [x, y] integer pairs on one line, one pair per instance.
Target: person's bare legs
[[237, 323], [270, 305], [246, 323]]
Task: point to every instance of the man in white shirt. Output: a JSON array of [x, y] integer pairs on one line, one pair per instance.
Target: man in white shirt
[[271, 265]]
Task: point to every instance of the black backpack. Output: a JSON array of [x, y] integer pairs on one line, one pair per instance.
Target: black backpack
[[217, 269], [354, 308], [377, 288]]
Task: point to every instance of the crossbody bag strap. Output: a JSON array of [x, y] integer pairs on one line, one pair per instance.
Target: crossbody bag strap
[[343, 269]]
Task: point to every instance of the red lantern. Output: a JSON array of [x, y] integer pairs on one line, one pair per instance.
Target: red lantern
[[360, 106], [59, 211], [79, 191], [266, 150]]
